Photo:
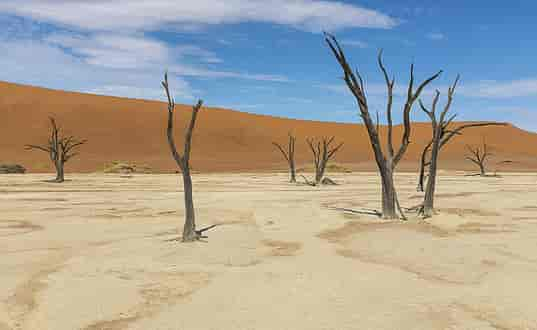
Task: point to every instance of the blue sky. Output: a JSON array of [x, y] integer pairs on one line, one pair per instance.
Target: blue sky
[[269, 56]]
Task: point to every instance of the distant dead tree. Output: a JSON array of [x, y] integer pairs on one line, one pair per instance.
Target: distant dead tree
[[60, 149], [478, 156], [387, 160], [289, 156], [190, 233], [322, 152]]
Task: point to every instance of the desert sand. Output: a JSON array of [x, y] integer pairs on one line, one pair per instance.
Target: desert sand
[[97, 252], [129, 130]]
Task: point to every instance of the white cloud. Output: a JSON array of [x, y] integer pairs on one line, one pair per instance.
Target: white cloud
[[501, 89], [298, 100], [98, 15], [377, 89], [486, 89], [101, 47], [141, 53], [57, 69], [436, 36], [114, 51], [180, 90], [202, 54], [185, 70], [355, 43]]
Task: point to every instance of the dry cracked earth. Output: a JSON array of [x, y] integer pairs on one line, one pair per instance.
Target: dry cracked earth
[[98, 252]]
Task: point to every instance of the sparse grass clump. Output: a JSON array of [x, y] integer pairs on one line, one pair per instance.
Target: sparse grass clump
[[333, 167], [122, 167]]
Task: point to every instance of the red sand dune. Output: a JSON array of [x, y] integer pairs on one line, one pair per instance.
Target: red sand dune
[[224, 140]]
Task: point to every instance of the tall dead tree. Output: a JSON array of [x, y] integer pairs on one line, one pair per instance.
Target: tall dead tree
[[190, 233], [441, 134], [322, 152], [447, 135], [60, 149], [478, 156], [387, 160], [439, 126], [289, 156]]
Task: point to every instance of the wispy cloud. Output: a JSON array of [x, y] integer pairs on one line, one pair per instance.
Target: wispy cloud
[[436, 36], [484, 89], [114, 51], [185, 70], [135, 53], [181, 90], [355, 43], [501, 89], [310, 15], [224, 42], [298, 100], [58, 69]]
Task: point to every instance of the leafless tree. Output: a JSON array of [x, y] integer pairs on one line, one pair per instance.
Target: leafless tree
[[60, 149], [322, 152], [190, 233], [478, 156], [439, 127], [388, 160], [447, 134], [289, 156]]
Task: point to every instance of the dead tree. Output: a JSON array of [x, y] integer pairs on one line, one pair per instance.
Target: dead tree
[[479, 157], [322, 152], [289, 156], [447, 134], [387, 160], [190, 233], [439, 127], [60, 149], [441, 134]]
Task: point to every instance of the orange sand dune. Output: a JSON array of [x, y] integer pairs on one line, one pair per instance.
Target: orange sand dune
[[224, 140]]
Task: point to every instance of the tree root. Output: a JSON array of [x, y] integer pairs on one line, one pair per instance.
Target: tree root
[[198, 235], [364, 211], [309, 183], [420, 210]]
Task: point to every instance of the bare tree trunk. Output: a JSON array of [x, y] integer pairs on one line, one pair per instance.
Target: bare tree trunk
[[59, 171], [189, 228], [292, 171], [482, 170], [428, 202], [319, 174], [389, 210]]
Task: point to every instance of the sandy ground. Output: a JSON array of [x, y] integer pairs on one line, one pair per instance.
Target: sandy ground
[[95, 253]]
